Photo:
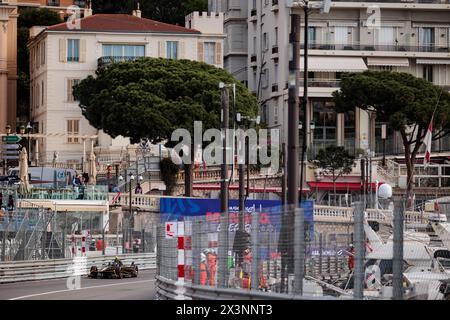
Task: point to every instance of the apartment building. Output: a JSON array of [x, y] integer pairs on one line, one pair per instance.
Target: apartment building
[[409, 36], [61, 56], [8, 63]]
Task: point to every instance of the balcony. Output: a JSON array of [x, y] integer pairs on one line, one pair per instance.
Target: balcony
[[274, 6], [104, 61], [322, 83], [400, 1], [253, 61], [274, 55], [381, 47], [253, 17]]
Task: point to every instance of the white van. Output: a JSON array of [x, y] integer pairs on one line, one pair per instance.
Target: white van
[[47, 176]]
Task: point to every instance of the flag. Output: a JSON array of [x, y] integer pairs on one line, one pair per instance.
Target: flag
[[427, 142]]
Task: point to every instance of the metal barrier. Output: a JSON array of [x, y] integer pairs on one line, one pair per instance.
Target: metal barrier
[[167, 289], [62, 268]]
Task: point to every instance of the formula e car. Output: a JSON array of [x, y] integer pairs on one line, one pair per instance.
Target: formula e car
[[114, 270]]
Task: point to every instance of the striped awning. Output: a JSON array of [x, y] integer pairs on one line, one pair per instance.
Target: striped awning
[[334, 64], [433, 61], [395, 62]]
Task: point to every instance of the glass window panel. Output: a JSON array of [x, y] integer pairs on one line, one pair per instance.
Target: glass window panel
[[209, 49]]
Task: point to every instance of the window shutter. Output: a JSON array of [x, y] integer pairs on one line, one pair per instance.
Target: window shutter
[[162, 49], [182, 50], [218, 53], [82, 50], [200, 54], [62, 50], [69, 90]]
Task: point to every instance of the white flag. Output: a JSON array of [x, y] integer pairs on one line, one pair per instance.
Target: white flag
[[427, 141]]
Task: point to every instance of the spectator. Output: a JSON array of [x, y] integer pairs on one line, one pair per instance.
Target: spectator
[[10, 203], [351, 258], [85, 179], [115, 189], [138, 189]]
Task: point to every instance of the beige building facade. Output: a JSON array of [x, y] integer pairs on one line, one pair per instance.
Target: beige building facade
[[60, 57]]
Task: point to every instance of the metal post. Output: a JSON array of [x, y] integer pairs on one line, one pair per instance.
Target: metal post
[[130, 213], [223, 234], [299, 251], [44, 236], [397, 263], [363, 178], [241, 229], [143, 240], [103, 241], [4, 242], [196, 250], [284, 176], [254, 282], [358, 275], [320, 252]]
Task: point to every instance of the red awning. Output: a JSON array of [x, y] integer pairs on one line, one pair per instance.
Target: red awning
[[352, 186]]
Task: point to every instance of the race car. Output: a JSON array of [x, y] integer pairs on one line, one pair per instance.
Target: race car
[[114, 270]]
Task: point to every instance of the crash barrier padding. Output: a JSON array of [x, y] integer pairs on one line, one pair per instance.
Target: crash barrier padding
[[172, 290], [17, 271]]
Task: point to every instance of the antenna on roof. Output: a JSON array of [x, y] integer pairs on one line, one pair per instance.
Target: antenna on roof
[[138, 6]]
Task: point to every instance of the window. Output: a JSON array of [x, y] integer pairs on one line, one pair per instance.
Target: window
[[254, 45], [324, 118], [123, 50], [42, 93], [265, 41], [427, 38], [209, 52], [386, 35], [172, 49], [265, 78], [428, 72], [341, 35], [276, 36], [43, 53], [70, 84], [73, 128], [38, 91], [73, 50], [312, 35]]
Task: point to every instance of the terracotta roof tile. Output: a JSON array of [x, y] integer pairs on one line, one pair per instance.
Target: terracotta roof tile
[[122, 23]]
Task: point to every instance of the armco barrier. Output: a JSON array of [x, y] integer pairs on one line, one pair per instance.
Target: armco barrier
[[170, 290], [61, 268]]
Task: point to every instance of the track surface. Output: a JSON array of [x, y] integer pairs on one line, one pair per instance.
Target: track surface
[[140, 288]]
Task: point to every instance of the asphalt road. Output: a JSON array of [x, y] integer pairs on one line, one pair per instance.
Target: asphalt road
[[140, 288]]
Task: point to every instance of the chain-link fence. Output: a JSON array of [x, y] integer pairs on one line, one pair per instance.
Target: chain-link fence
[[262, 251]]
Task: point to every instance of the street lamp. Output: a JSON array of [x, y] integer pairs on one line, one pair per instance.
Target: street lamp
[[29, 128], [383, 137]]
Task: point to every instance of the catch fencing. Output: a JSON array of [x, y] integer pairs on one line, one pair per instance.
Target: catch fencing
[[261, 254]]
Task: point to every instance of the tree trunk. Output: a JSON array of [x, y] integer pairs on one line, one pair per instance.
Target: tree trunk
[[189, 175]]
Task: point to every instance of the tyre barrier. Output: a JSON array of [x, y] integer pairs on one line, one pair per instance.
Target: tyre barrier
[[19, 271]]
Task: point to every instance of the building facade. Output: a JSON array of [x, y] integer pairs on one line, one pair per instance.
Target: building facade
[[61, 56], [8, 63], [405, 36]]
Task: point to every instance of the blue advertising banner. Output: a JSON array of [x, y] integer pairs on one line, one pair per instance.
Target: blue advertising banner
[[178, 209]]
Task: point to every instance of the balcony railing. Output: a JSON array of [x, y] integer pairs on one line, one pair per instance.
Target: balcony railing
[[253, 13], [326, 83], [274, 49], [379, 47], [104, 61]]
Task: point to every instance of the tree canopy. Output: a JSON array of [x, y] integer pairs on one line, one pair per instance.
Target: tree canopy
[[168, 11], [151, 97], [334, 160], [406, 103]]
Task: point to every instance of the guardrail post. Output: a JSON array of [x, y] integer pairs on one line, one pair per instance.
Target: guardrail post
[[254, 241], [299, 250], [359, 251]]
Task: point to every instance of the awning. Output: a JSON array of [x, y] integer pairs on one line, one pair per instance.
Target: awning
[[334, 64], [433, 61], [395, 62], [351, 186]]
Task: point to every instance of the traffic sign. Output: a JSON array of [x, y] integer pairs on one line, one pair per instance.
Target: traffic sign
[[11, 139], [10, 157], [11, 146], [11, 152]]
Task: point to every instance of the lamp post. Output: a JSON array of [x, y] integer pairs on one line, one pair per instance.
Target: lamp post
[[29, 128], [383, 137]]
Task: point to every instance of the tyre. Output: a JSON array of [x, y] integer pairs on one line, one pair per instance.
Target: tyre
[[117, 271], [93, 272], [135, 272]]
